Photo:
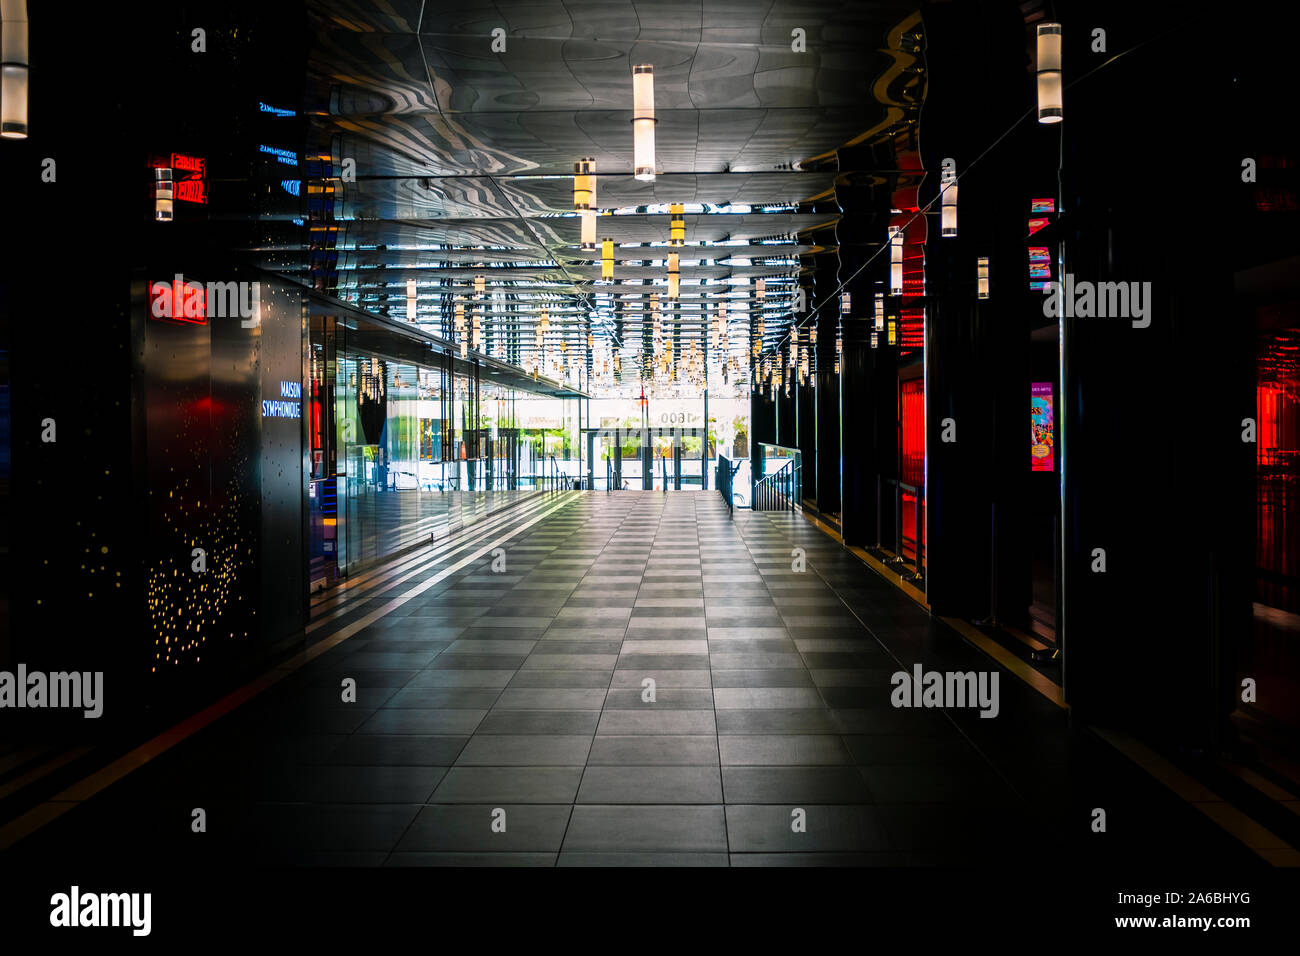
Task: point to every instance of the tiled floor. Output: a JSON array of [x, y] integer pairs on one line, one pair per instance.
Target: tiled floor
[[503, 717]]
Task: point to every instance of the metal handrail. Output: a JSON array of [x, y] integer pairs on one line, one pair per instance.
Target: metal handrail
[[727, 472], [777, 491], [918, 493]]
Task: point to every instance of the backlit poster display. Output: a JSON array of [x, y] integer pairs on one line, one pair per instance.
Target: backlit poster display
[[1042, 447]]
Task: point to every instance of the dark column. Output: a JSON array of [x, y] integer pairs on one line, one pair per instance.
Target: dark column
[[977, 351]]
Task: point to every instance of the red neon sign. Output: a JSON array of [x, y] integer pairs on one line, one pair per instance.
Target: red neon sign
[[179, 301], [189, 164], [191, 190], [188, 174]]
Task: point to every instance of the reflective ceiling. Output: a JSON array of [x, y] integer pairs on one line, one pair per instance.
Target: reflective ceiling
[[441, 157]]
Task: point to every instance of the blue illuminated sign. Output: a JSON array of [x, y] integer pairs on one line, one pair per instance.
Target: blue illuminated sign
[[285, 409], [283, 155]]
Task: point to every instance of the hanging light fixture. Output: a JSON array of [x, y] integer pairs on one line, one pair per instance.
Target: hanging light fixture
[[607, 260], [846, 304], [895, 260], [162, 195], [14, 70], [880, 311], [893, 331], [410, 300], [479, 284], [1050, 105], [674, 275], [643, 122], [982, 277], [948, 207], [584, 199], [677, 228]]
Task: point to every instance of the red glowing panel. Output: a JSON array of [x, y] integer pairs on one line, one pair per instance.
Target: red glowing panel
[[1037, 225], [911, 400], [178, 302], [188, 164], [191, 190]]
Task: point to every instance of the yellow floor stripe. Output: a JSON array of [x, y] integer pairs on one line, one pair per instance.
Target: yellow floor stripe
[[31, 776], [1039, 682], [1258, 838], [1021, 669]]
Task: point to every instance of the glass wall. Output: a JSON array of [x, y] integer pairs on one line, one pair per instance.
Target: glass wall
[[684, 435], [403, 450]]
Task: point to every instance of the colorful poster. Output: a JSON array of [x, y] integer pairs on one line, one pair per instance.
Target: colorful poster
[[1042, 447]]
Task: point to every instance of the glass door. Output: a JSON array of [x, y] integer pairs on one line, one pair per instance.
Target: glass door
[[630, 470]]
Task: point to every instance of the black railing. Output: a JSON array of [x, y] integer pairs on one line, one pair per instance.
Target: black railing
[[899, 489], [726, 472], [778, 491]]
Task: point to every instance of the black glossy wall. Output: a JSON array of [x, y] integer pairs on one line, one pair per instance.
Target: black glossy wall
[[1152, 416], [977, 350], [80, 206]]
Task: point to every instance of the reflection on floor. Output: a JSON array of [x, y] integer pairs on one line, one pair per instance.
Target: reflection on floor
[[1275, 662], [378, 524], [503, 717]]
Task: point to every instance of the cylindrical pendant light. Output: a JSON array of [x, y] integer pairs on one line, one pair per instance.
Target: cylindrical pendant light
[[14, 70], [479, 284], [410, 300], [162, 195], [880, 311], [895, 260], [1050, 89], [982, 277], [893, 332], [674, 275], [677, 228], [584, 199], [643, 121], [846, 304], [607, 260], [948, 207]]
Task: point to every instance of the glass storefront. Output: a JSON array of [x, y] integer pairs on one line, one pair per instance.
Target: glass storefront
[[402, 450]]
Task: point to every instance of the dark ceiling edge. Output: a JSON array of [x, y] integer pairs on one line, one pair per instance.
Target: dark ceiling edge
[[321, 303]]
